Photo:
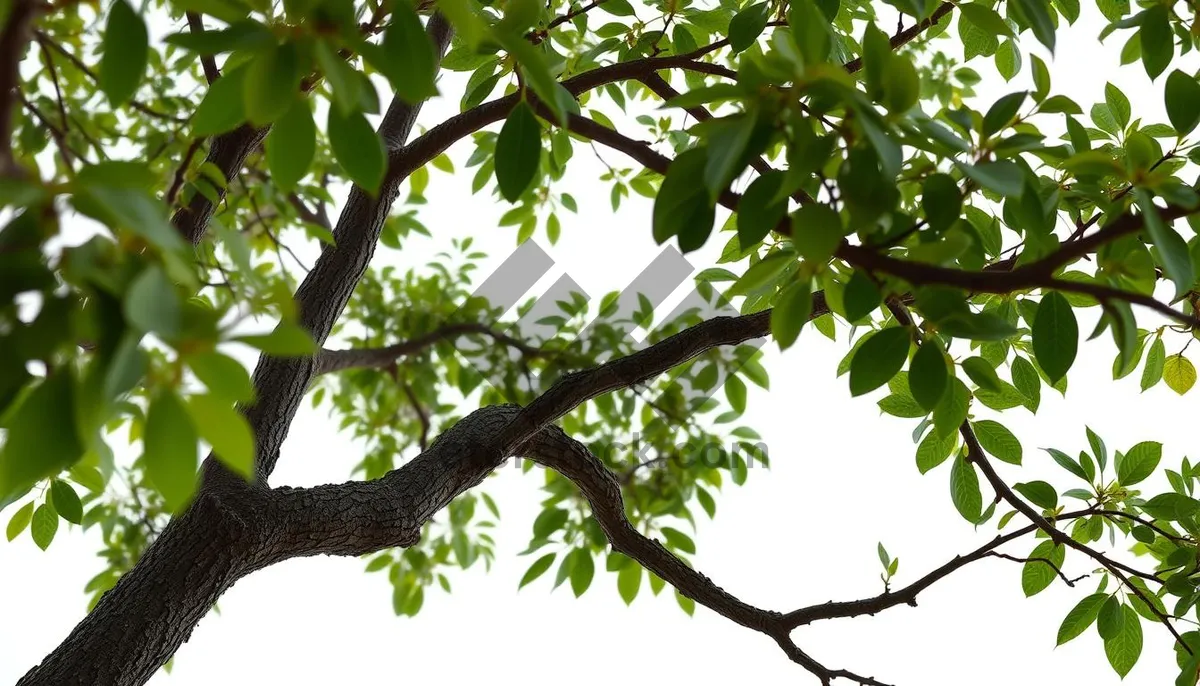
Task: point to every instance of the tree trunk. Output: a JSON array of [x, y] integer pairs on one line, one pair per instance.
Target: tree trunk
[[234, 528]]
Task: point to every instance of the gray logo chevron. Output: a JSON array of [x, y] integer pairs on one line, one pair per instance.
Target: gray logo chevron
[[506, 287]]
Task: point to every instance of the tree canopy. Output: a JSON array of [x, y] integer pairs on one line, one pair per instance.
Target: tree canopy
[[160, 160]]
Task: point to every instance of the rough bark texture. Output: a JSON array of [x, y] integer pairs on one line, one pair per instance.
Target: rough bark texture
[[229, 531]]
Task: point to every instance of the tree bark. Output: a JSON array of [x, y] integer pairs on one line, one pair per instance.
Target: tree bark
[[234, 528]]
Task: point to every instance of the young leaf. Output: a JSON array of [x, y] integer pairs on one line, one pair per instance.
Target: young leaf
[[19, 521], [1179, 373]]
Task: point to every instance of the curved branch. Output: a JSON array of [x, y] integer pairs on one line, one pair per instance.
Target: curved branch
[[338, 360], [908, 594], [907, 35]]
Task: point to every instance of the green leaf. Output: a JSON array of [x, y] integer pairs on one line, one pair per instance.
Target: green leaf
[[223, 375], [982, 373], [286, 340], [941, 200], [223, 107], [272, 84], [1063, 460], [1036, 575], [19, 521], [537, 569], [549, 521], [66, 501], [1152, 373], [44, 525], [226, 430], [679, 540], [1002, 176], [1124, 649], [747, 25], [791, 312], [1179, 373], [1172, 249], [1139, 463], [998, 441], [291, 145], [582, 571], [1182, 94], [1118, 105], [816, 232], [126, 50], [1055, 336], [1027, 382], [1039, 493], [406, 43], [629, 580], [170, 449], [964, 489], [986, 18], [901, 85], [735, 392], [42, 440], [1171, 507], [951, 410], [1158, 42], [681, 207], [358, 149], [934, 450], [1111, 618], [879, 359], [1002, 112], [1037, 15], [928, 374], [760, 209], [1080, 617], [861, 296], [518, 152], [152, 304]]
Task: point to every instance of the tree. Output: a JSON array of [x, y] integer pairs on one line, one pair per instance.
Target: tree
[[867, 190]]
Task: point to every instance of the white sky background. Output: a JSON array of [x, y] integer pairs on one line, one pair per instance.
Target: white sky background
[[843, 478]]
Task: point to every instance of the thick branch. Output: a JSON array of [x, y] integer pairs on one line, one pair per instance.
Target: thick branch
[[13, 39]]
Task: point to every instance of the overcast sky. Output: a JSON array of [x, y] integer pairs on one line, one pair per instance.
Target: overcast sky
[[843, 478]]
